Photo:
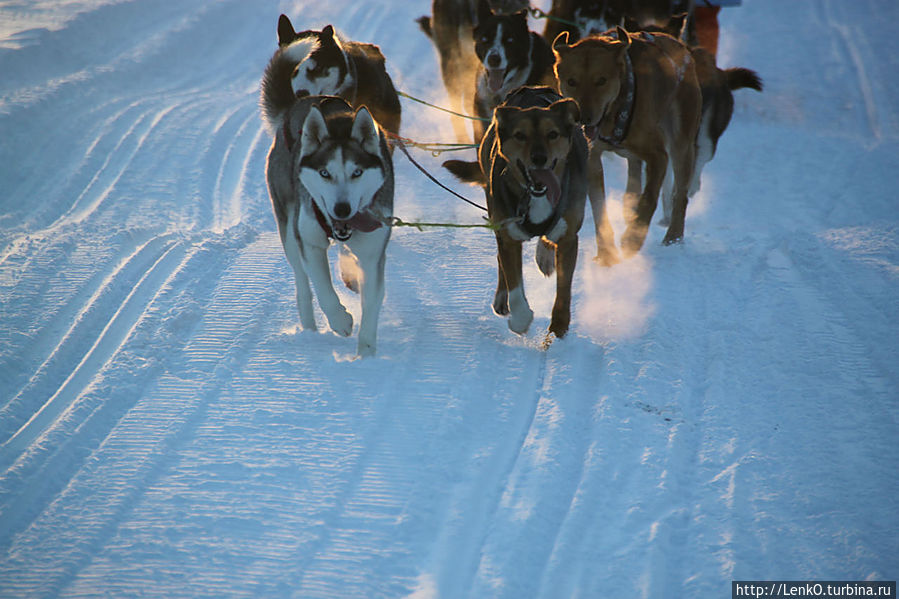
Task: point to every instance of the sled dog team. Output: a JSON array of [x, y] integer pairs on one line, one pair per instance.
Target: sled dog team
[[554, 109]]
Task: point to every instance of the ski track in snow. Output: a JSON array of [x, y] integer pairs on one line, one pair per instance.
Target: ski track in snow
[[722, 409]]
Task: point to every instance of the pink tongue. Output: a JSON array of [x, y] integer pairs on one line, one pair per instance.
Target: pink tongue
[[495, 79], [362, 221], [548, 179]]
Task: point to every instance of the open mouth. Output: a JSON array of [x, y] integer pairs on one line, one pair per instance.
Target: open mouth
[[543, 182], [361, 221], [495, 79]]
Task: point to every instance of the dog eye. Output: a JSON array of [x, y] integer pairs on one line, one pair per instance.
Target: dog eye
[[520, 136], [601, 81], [552, 135], [572, 83], [324, 174], [356, 173]]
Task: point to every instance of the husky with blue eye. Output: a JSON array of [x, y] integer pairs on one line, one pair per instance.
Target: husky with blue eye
[[330, 178]]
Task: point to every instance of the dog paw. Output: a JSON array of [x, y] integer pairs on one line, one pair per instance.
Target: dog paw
[[671, 239], [501, 303], [607, 257], [365, 350], [341, 322], [545, 257], [632, 240], [519, 322]]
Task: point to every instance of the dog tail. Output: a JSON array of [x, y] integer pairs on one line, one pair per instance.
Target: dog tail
[[739, 77], [425, 24], [467, 172]]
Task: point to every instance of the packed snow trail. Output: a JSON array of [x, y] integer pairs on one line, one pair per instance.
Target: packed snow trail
[[722, 409]]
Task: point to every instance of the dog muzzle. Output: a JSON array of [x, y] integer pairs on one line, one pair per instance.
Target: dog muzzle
[[361, 221], [542, 182]]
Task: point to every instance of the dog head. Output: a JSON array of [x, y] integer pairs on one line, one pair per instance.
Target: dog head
[[502, 43], [322, 65], [592, 72], [341, 166], [535, 143], [505, 7], [597, 16]]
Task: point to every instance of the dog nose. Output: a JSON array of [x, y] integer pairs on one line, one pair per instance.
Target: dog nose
[[538, 159], [342, 210], [493, 61]]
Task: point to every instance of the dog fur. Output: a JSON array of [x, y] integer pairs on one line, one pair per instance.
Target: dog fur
[[320, 63], [532, 163], [510, 56], [664, 119], [315, 133], [450, 28]]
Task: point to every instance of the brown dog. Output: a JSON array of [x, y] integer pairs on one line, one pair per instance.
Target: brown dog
[[639, 96], [532, 163]]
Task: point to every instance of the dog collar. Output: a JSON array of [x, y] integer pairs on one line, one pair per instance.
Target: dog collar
[[623, 118]]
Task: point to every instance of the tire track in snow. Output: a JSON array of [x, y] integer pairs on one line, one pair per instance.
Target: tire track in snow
[[87, 512], [107, 343], [89, 292], [854, 58]]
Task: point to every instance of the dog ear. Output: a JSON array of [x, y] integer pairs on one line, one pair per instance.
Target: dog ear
[[286, 33], [315, 129], [560, 44], [569, 108], [365, 131], [501, 116], [622, 36]]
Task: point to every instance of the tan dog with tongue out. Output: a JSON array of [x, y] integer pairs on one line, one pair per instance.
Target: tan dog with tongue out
[[532, 164]]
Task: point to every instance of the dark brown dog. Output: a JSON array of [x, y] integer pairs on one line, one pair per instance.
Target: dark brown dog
[[532, 163], [639, 96]]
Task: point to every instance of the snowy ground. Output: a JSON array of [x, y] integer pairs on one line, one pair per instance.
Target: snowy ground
[[724, 409]]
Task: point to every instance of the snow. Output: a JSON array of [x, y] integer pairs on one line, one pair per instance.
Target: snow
[[722, 409]]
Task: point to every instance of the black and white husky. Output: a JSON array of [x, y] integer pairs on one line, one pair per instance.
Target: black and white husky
[[318, 63], [510, 56], [330, 177]]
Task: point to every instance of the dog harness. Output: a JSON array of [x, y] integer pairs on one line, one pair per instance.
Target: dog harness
[[623, 118]]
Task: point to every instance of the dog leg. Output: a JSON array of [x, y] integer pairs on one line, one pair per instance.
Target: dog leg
[[667, 198], [683, 164], [501, 296], [304, 293], [319, 273], [566, 260], [371, 251], [633, 189], [520, 313], [635, 235], [606, 254]]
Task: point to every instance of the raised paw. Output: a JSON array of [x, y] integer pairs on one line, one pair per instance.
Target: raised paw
[[341, 322]]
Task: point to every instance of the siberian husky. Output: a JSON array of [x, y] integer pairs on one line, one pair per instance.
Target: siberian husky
[[330, 177], [318, 63]]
